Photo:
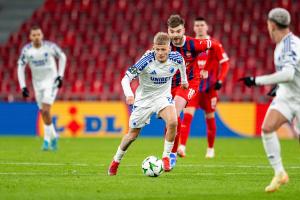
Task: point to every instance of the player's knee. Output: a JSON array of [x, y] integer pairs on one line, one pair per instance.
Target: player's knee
[[211, 128], [189, 110], [267, 128], [45, 112], [210, 115], [172, 123]]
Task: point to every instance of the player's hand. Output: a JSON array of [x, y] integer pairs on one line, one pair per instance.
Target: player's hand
[[130, 100], [249, 81], [272, 92], [25, 92], [203, 74], [185, 86], [58, 81], [218, 85]]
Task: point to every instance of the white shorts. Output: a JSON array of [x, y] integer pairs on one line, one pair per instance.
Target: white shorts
[[288, 108], [140, 116], [46, 96]]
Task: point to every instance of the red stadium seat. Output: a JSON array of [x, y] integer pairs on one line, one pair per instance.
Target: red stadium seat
[[102, 38]]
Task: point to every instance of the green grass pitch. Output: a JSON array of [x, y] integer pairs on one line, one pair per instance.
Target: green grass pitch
[[78, 170]]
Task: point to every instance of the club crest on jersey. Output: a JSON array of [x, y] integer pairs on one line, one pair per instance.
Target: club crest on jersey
[[201, 63], [171, 69]]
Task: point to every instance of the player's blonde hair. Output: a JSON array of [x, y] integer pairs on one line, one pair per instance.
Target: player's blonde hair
[[161, 38]]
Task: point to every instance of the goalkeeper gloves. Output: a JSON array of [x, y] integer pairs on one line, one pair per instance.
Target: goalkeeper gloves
[[25, 92], [58, 81], [218, 85], [249, 81]]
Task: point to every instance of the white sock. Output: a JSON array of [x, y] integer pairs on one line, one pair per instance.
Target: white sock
[[182, 147], [119, 155], [47, 133], [53, 131], [272, 149], [167, 148]]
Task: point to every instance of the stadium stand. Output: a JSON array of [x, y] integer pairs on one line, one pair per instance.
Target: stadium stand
[[102, 38]]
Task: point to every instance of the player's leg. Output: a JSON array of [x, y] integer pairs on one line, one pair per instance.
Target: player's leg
[[180, 103], [209, 106], [186, 123], [296, 124], [138, 119], [49, 130], [125, 143], [47, 136], [211, 134], [181, 99], [48, 98], [185, 129], [274, 119], [169, 115]]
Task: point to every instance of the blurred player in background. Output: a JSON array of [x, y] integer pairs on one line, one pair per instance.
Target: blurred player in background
[[46, 79], [189, 48], [206, 97], [155, 71], [286, 105]]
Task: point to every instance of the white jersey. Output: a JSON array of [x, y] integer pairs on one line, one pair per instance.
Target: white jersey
[[42, 64], [155, 77], [287, 54]]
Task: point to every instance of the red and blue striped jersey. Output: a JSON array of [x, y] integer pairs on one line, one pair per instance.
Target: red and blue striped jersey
[[190, 50]]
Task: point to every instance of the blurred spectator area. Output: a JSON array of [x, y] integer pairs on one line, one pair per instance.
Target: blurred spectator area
[[101, 38]]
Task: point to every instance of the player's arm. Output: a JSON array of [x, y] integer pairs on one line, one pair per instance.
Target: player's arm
[[127, 89], [183, 76], [22, 62], [132, 73], [224, 62], [286, 74], [62, 59]]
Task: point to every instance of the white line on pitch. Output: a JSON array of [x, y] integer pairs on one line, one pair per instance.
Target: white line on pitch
[[129, 165], [44, 174], [104, 174], [46, 164]]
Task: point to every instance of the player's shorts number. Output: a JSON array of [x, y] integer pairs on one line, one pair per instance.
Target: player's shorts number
[[213, 102], [191, 93]]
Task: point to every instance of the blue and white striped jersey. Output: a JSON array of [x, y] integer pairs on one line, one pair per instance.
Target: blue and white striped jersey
[[155, 77], [287, 54], [42, 64]]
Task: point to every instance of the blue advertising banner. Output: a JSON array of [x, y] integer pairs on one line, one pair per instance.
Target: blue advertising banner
[[110, 119], [24, 119], [18, 118]]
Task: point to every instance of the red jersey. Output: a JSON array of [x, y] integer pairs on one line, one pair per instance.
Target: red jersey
[[209, 61], [190, 50]]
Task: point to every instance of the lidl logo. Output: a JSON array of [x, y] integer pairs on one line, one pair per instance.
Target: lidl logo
[[89, 119]]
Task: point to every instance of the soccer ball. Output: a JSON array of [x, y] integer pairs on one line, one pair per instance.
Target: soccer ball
[[152, 166]]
